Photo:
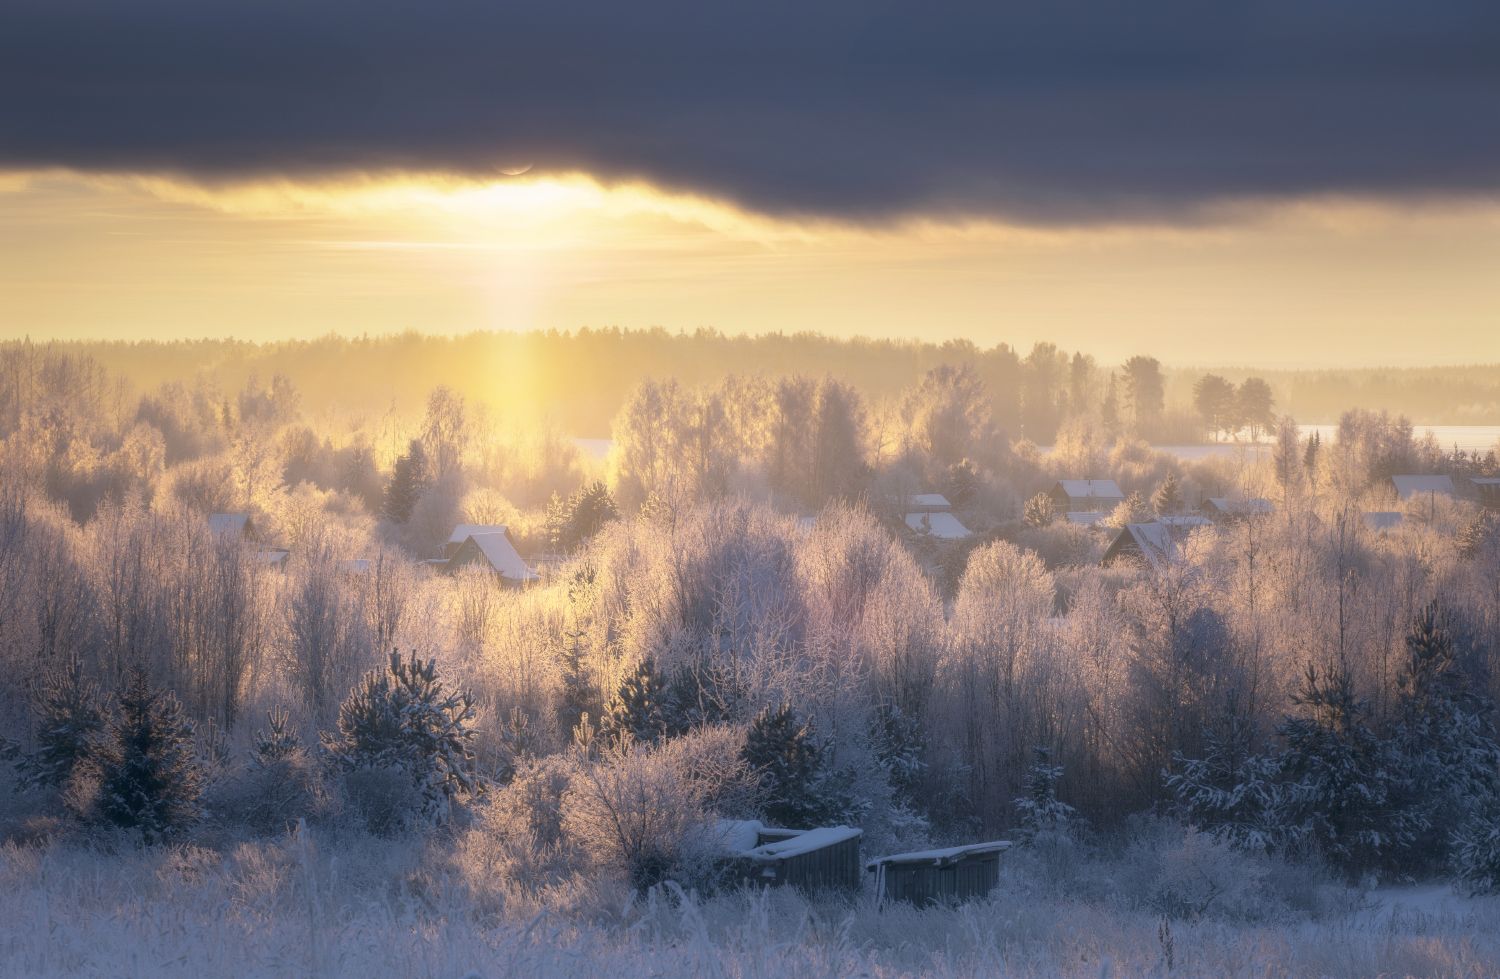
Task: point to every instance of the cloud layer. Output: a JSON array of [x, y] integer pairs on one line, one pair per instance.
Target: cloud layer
[[1063, 111]]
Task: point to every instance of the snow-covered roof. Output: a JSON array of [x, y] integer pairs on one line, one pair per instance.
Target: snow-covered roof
[[464, 531], [1097, 489], [228, 523], [1382, 519], [928, 501], [1407, 486], [813, 839], [1086, 518], [738, 835], [502, 556], [939, 857], [1184, 520], [943, 526], [1253, 507], [1485, 480]]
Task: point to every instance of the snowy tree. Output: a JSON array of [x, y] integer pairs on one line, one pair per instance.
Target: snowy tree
[[403, 720], [1040, 810], [1039, 511], [1230, 792], [638, 711], [783, 754], [70, 715], [1167, 499], [1339, 785], [409, 478], [1475, 858], [144, 774]]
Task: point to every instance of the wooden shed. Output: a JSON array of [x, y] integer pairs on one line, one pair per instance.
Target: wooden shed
[[813, 860], [928, 877]]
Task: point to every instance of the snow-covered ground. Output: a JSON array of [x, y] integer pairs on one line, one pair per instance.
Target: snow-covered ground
[[384, 909]]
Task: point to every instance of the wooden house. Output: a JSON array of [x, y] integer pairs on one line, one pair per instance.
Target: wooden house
[[824, 859], [493, 552], [1223, 508], [1153, 543], [1085, 495], [928, 503], [928, 877], [939, 526], [464, 531], [1407, 487], [236, 525], [1487, 490]]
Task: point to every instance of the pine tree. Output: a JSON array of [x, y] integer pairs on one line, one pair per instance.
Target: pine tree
[[579, 696], [783, 753], [1230, 792], [146, 771], [402, 719], [278, 741], [1040, 810], [408, 480], [1338, 779], [638, 710], [1475, 845], [1450, 762], [1168, 497], [70, 715]]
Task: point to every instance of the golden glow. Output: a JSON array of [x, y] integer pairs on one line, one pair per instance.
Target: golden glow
[[1301, 282]]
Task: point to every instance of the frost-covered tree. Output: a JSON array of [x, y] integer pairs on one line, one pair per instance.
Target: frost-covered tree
[[409, 478], [1475, 858], [1340, 786], [144, 774], [783, 754], [70, 715], [574, 521], [1039, 511], [1167, 499], [403, 719], [639, 710], [1040, 810], [1230, 792]]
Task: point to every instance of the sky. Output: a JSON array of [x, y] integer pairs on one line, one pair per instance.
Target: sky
[[1273, 183]]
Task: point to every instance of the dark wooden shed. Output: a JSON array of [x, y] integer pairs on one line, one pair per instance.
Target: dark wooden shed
[[812, 860], [928, 877]]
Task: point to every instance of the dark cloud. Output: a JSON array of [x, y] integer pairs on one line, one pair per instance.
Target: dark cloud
[[1050, 110]]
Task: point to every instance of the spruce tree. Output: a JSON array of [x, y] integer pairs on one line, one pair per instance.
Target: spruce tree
[[1040, 810], [1039, 511], [146, 771], [1230, 792], [70, 716], [408, 480], [783, 753], [1168, 497]]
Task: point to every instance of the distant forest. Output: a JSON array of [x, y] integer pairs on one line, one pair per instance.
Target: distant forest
[[579, 380]]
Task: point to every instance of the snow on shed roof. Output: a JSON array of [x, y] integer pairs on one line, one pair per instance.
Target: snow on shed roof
[[464, 531], [502, 556], [813, 839], [738, 835], [943, 526], [1382, 519], [228, 523], [942, 856], [1406, 486], [1099, 489]]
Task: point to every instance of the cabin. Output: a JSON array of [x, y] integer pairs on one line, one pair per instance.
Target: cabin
[[928, 503], [495, 553], [1487, 490], [238, 525], [1085, 518], [927, 877], [823, 859], [464, 531], [1223, 508], [1381, 521], [939, 526], [1152, 543], [1085, 495], [1407, 487]]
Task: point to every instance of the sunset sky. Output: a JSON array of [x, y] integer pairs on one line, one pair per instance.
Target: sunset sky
[[1276, 184]]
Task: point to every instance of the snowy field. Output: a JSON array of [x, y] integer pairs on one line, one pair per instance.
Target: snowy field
[[395, 909]]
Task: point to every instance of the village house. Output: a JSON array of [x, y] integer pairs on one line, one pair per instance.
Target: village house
[[1153, 543], [1220, 508], [1487, 490], [1407, 487], [492, 550], [232, 525], [930, 515], [1085, 495]]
